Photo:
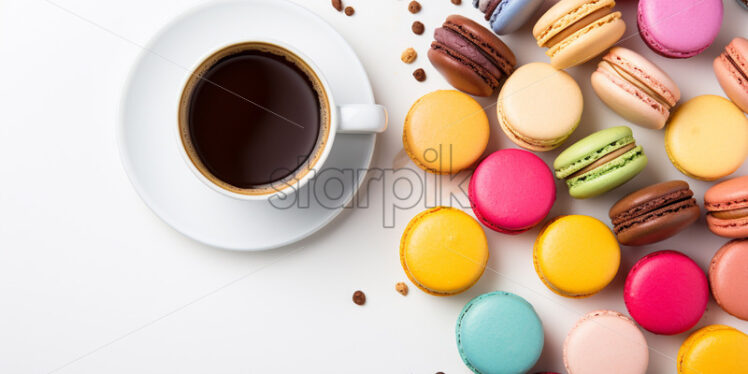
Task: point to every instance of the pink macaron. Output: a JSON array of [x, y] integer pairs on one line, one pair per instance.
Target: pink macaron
[[666, 292], [731, 68], [511, 191], [726, 204], [679, 28], [728, 278]]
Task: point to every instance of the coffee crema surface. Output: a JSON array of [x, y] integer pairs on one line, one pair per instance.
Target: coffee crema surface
[[254, 118]]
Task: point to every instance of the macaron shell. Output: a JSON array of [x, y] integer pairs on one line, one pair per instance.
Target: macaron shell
[[609, 176], [445, 131], [588, 42], [563, 14], [510, 15], [590, 148], [576, 255], [707, 138], [460, 72], [443, 251], [666, 292], [732, 79], [512, 190], [661, 224], [679, 28], [714, 349], [539, 85], [628, 101], [728, 278], [498, 333], [606, 342], [646, 71]]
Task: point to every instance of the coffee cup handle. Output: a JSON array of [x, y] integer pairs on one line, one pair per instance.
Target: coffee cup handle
[[362, 118]]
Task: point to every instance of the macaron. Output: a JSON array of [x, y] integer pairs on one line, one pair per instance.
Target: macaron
[[679, 28], [576, 31], [445, 131], [576, 256], [654, 213], [470, 57], [743, 3], [714, 349], [499, 333], [728, 278], [607, 342], [539, 106], [635, 88], [726, 204], [707, 138], [600, 162], [511, 191], [443, 251], [666, 292], [506, 16], [731, 68]]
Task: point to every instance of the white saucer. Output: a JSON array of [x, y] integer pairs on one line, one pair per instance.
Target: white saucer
[[149, 149]]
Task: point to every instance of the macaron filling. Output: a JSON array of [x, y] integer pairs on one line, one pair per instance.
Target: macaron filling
[[503, 59], [635, 87], [576, 20], [578, 25], [455, 42], [671, 203], [566, 172], [733, 60], [610, 18]]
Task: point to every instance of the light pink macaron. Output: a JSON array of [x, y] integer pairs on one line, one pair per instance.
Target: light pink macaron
[[512, 190], [607, 342], [635, 88], [728, 277], [731, 68], [726, 204], [666, 292]]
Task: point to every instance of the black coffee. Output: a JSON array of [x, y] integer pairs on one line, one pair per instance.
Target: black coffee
[[254, 118]]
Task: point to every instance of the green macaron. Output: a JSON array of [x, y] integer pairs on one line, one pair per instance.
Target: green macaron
[[600, 162]]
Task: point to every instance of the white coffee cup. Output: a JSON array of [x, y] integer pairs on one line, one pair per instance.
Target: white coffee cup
[[349, 118]]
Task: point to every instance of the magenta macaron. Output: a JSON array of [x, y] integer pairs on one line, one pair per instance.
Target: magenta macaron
[[666, 292], [679, 28], [511, 191]]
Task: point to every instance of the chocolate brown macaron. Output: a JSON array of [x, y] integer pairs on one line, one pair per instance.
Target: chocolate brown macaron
[[470, 57], [654, 213]]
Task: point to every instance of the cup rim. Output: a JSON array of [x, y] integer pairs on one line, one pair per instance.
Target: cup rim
[[299, 179]]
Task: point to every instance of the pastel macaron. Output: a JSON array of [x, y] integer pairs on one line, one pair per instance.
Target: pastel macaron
[[679, 28], [575, 31], [728, 278], [707, 138], [727, 208], [743, 3], [600, 162], [654, 213], [511, 191], [666, 292], [576, 256], [499, 333], [539, 106], [635, 88], [506, 16], [445, 131], [714, 349], [607, 342], [443, 251], [470, 57], [731, 69]]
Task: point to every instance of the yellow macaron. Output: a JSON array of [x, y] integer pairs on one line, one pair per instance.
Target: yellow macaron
[[576, 255], [443, 251], [714, 349], [445, 131]]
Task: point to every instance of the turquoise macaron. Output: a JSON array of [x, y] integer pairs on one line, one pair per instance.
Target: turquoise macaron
[[600, 162], [499, 333]]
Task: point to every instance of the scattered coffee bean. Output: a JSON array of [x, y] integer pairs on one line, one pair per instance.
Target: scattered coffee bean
[[338, 5], [359, 298], [419, 75], [440, 372], [417, 27], [414, 7], [456, 2], [402, 288], [409, 55], [349, 11]]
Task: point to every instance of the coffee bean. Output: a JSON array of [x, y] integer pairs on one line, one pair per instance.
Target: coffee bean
[[408, 56], [359, 298], [456, 2], [417, 27], [419, 75], [349, 11], [338, 5], [414, 7], [402, 288]]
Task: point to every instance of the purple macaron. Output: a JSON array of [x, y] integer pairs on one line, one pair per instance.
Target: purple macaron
[[679, 28]]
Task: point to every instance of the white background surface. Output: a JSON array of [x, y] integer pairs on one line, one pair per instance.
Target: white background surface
[[92, 282]]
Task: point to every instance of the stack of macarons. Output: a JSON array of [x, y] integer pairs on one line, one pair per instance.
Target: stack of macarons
[[444, 251]]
